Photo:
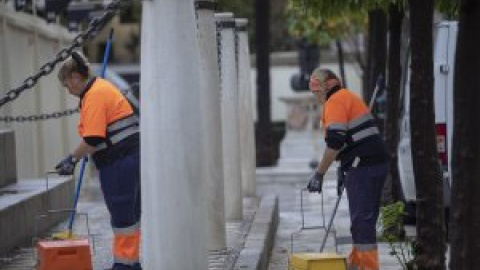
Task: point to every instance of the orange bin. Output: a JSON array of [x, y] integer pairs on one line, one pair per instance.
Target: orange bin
[[64, 255]]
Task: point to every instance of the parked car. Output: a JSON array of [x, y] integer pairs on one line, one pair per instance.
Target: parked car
[[111, 76], [444, 56]]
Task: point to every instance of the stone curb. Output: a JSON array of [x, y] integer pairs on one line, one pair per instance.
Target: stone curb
[[259, 242]]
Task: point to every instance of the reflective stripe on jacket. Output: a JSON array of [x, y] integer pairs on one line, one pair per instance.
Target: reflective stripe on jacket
[[106, 113], [350, 128], [120, 130]]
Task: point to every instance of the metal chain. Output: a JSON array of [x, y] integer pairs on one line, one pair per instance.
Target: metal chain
[[237, 49], [39, 117], [219, 48], [95, 25]]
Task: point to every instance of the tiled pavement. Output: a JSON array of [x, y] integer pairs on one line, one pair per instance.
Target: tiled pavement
[[289, 235], [91, 202]]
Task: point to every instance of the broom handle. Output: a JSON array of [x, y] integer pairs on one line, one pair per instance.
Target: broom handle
[[77, 194], [329, 227]]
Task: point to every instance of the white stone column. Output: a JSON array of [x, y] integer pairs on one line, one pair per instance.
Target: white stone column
[[245, 108], [230, 128], [210, 94], [173, 197]]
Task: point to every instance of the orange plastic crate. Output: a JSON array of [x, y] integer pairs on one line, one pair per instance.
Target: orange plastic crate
[[64, 255]]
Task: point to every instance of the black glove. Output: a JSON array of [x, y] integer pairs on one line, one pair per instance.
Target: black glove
[[315, 183], [67, 165]]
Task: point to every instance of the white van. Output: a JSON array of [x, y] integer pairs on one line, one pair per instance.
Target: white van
[[444, 56]]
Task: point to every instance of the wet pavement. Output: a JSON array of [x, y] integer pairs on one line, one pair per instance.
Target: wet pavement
[[96, 227], [297, 234]]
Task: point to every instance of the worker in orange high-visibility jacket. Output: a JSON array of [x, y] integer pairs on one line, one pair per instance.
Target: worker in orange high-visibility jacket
[[352, 137], [110, 133]]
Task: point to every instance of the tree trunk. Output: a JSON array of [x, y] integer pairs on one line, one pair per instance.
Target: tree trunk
[[465, 219], [265, 154], [392, 186], [377, 51], [341, 62], [430, 252]]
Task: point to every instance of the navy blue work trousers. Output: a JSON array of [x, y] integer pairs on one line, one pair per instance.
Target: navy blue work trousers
[[120, 182], [364, 189]]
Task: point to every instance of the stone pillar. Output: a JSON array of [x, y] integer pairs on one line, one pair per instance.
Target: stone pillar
[[210, 94], [245, 108], [230, 130], [173, 197]]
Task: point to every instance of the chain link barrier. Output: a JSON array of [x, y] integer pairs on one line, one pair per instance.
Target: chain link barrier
[[39, 117], [219, 49], [236, 47], [95, 26]]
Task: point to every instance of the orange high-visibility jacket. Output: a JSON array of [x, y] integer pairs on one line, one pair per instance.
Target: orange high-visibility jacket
[[106, 113], [349, 127]]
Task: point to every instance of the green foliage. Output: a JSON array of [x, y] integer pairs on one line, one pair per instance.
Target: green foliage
[[244, 8], [450, 8], [391, 228], [322, 29], [131, 12], [338, 7]]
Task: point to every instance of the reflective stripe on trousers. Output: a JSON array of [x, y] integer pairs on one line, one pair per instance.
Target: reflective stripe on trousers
[[120, 184], [364, 188], [363, 257], [126, 245]]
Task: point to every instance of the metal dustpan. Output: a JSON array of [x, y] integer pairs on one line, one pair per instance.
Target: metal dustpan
[[321, 260]]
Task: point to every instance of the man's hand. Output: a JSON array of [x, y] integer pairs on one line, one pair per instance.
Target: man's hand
[[315, 183], [67, 165]]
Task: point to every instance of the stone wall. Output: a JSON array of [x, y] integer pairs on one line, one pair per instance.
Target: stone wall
[[8, 168], [26, 43]]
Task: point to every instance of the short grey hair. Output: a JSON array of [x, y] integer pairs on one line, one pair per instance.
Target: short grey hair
[[324, 74], [79, 64]]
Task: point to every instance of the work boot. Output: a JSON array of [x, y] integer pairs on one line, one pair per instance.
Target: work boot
[[121, 266], [136, 266]]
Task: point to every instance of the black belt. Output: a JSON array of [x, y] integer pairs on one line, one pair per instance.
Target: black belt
[[366, 161]]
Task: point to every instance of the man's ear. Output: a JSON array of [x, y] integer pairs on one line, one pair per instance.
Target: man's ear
[[76, 76], [331, 83]]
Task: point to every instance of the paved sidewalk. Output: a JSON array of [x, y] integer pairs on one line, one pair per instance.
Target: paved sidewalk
[[289, 235], [248, 242], [91, 202]]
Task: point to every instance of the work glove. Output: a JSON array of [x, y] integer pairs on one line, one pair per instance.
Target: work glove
[[67, 165], [315, 183]]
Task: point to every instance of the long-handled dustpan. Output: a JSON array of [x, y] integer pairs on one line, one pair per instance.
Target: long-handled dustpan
[[321, 260], [69, 233]]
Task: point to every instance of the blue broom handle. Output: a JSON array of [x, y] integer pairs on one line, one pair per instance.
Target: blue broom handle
[[77, 194], [106, 53]]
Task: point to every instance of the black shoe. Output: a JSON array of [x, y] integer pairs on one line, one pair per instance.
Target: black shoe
[[121, 266], [136, 266]]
